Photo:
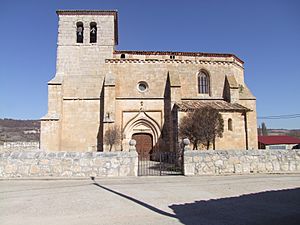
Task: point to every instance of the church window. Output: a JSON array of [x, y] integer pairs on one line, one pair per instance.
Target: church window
[[79, 32], [93, 32], [203, 83], [122, 56], [230, 124], [142, 86]]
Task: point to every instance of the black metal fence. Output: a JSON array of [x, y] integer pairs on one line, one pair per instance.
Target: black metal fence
[[160, 164]]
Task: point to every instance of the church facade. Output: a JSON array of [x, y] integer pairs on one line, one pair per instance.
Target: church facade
[[143, 94]]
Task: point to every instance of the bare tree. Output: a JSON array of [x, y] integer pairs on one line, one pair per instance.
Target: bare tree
[[112, 136], [202, 126]]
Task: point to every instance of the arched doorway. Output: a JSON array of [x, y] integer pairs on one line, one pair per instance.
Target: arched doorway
[[144, 143]]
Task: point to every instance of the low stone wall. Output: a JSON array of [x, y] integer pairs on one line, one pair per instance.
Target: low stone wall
[[241, 162], [20, 146], [67, 164]]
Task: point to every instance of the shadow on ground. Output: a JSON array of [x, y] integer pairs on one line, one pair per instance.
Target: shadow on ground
[[280, 207], [265, 208]]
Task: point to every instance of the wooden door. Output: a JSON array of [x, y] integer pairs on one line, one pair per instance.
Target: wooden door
[[143, 143]]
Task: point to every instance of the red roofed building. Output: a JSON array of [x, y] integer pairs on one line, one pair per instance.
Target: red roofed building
[[277, 142]]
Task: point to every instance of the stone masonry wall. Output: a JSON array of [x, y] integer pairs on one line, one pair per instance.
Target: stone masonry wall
[[19, 146], [241, 162], [67, 164]]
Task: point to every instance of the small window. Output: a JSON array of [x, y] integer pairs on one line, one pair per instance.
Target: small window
[[79, 32], [142, 86], [203, 83], [122, 56], [93, 32], [172, 56], [230, 124]]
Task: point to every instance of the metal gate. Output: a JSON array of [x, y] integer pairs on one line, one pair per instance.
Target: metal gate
[[160, 164]]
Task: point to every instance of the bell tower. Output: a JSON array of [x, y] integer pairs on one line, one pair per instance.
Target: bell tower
[[85, 39]]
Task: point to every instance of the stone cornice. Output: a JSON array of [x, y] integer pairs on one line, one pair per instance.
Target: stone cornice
[[173, 61], [194, 54]]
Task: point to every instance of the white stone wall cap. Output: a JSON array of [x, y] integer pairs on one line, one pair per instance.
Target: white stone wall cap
[[50, 117], [56, 80]]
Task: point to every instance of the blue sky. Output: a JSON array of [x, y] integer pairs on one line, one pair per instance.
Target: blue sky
[[264, 34]]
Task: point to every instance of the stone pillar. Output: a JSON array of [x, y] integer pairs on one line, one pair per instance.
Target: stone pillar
[[188, 165], [132, 144], [186, 144]]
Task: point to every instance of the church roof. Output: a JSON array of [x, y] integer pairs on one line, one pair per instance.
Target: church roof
[[220, 105], [203, 54], [86, 12]]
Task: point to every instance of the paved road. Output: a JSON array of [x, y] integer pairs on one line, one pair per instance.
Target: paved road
[[210, 200]]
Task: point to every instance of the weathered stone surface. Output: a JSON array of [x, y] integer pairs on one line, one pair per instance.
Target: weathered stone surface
[[241, 162], [84, 71], [68, 164]]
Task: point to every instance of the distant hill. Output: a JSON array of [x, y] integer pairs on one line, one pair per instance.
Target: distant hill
[[19, 130], [29, 130], [285, 132]]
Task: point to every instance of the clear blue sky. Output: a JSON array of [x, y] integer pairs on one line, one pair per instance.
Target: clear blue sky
[[265, 34]]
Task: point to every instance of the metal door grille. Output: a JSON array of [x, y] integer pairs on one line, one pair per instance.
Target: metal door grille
[[160, 164]]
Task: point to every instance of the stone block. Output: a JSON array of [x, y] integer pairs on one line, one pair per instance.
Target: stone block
[[261, 167], [284, 166], [125, 171], [66, 174], [292, 166], [276, 165], [56, 169], [189, 169], [269, 167], [219, 163], [34, 170], [238, 168], [85, 162], [10, 168], [246, 167], [98, 162], [23, 170]]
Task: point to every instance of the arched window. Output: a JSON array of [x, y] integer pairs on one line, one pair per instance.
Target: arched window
[[203, 83], [93, 32], [122, 56], [230, 124], [79, 32]]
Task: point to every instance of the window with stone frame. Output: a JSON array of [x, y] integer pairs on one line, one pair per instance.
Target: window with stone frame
[[79, 32], [203, 83], [230, 124], [93, 32]]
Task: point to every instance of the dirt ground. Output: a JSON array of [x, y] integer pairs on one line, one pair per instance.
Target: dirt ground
[[208, 200]]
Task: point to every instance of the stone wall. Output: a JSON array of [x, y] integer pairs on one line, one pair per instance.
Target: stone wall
[[19, 146], [67, 164], [241, 162]]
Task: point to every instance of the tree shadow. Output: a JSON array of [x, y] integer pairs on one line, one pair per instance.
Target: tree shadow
[[150, 207], [265, 208]]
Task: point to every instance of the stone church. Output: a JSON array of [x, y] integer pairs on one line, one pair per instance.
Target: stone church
[[143, 94]]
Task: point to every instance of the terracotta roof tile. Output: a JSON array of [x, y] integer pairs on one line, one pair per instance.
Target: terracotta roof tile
[[216, 104]]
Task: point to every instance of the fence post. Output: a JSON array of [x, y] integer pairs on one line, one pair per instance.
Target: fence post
[[186, 144]]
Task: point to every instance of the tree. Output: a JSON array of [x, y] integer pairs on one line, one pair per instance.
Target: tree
[[264, 129], [112, 137], [202, 126]]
